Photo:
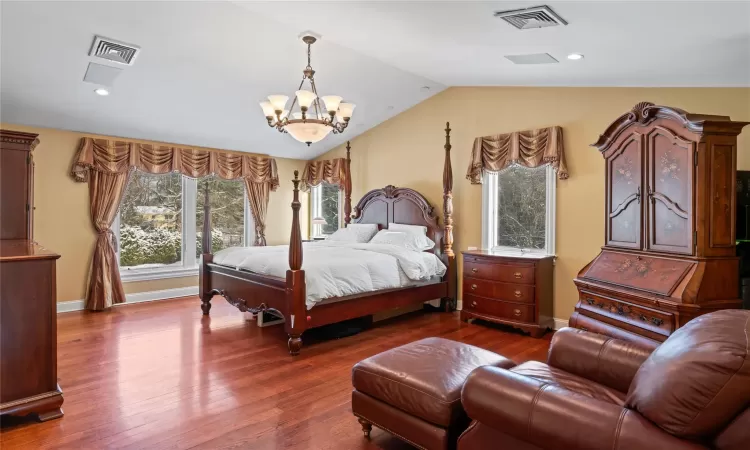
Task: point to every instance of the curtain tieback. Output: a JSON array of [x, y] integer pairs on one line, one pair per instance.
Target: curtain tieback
[[111, 236]]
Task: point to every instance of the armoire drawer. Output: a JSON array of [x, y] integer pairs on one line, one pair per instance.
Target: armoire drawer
[[659, 322]]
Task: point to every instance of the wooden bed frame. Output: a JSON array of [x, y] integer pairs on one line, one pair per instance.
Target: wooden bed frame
[[286, 297]]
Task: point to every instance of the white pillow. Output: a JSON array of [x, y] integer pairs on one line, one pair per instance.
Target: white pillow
[[364, 231], [409, 241], [419, 229], [342, 235]]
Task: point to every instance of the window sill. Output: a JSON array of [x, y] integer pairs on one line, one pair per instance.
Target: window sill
[[157, 274], [505, 251]]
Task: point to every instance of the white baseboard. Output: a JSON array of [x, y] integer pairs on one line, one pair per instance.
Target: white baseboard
[[139, 297]]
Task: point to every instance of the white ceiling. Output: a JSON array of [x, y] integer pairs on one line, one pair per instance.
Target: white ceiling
[[205, 65]]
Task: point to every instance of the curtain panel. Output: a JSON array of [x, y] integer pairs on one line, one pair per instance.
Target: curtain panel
[[106, 166], [529, 148], [332, 171]]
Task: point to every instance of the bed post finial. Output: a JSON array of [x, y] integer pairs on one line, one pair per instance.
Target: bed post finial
[[295, 240], [348, 187], [448, 194], [207, 247]]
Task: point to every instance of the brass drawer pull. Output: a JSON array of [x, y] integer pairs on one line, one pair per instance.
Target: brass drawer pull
[[517, 293], [473, 286], [474, 270], [473, 304], [518, 275], [517, 312]]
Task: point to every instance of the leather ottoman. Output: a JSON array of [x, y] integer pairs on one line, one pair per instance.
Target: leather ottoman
[[414, 391]]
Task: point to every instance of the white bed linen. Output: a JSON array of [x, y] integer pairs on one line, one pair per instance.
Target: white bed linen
[[335, 269]]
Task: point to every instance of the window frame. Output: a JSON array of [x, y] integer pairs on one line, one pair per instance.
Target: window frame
[[316, 204], [190, 263], [489, 214]]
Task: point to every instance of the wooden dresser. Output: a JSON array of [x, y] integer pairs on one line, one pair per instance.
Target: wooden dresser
[[669, 252], [512, 290], [28, 298]]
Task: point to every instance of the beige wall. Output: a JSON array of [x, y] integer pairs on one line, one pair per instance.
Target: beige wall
[[408, 151], [62, 222]]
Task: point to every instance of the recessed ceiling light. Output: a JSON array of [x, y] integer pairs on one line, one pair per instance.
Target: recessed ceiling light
[[575, 56], [101, 91]]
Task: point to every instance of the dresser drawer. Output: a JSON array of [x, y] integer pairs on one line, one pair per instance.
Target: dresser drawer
[[658, 322], [522, 293], [509, 273], [496, 308]]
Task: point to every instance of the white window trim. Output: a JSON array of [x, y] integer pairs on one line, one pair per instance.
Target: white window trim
[[315, 206], [189, 265], [489, 214]]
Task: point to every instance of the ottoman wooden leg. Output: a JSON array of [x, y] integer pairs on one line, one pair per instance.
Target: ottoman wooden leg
[[366, 427]]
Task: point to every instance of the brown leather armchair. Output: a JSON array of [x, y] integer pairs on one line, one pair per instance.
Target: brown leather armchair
[[596, 392]]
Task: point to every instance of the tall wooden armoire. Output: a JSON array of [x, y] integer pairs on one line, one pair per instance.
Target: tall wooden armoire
[[28, 298], [669, 250]]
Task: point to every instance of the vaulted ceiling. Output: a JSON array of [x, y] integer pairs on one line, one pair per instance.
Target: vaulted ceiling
[[204, 66]]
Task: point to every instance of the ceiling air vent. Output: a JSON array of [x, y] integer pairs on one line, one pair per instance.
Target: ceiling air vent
[[535, 17], [114, 51]]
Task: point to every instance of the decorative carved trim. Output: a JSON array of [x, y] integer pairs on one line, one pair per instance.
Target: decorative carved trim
[[392, 192], [242, 304], [645, 112], [19, 137]]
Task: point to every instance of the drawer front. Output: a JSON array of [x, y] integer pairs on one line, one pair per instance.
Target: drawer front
[[509, 273], [522, 293], [649, 319], [505, 310]]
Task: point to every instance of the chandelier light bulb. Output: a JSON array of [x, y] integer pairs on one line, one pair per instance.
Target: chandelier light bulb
[[346, 110], [278, 101], [305, 98], [268, 110], [332, 102]]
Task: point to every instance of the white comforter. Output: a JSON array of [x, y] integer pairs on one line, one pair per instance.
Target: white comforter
[[335, 269]]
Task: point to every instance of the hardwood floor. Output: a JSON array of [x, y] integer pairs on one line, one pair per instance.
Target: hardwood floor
[[162, 376]]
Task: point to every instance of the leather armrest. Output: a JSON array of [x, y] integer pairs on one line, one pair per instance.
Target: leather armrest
[[551, 417], [596, 357]]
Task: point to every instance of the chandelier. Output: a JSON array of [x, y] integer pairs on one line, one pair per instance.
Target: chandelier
[[315, 118]]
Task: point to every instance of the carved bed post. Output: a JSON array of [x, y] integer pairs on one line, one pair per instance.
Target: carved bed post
[[295, 279], [449, 303], [348, 187], [206, 255]]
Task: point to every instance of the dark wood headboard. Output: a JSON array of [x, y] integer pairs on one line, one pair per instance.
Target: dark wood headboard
[[399, 205]]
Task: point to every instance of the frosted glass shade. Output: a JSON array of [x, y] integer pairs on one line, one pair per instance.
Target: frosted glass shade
[[332, 102], [268, 110], [305, 98], [319, 221], [346, 109], [278, 101], [308, 132]]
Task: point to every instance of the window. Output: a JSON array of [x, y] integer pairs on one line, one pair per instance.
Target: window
[[326, 204], [518, 210], [158, 228]]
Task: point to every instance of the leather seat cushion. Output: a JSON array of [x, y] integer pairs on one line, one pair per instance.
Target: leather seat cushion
[[424, 378], [574, 383]]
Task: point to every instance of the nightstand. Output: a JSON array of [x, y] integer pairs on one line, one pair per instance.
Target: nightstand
[[509, 289]]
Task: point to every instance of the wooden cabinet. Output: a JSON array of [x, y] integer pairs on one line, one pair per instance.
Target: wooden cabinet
[[512, 290], [28, 299], [669, 224]]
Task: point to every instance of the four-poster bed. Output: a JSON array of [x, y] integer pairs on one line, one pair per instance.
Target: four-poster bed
[[254, 292]]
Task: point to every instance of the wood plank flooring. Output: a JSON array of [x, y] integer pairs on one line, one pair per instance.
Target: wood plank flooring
[[162, 376]]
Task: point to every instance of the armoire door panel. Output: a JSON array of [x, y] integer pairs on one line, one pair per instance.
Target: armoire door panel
[[669, 185], [721, 196], [624, 194]]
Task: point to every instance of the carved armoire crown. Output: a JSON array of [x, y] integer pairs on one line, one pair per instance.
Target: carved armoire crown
[[669, 252]]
